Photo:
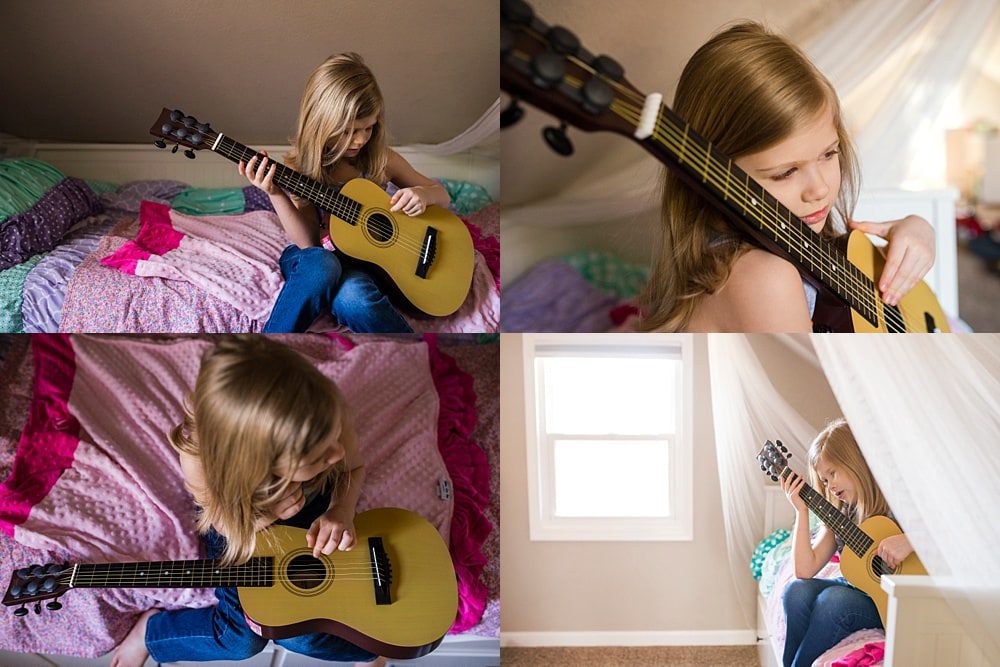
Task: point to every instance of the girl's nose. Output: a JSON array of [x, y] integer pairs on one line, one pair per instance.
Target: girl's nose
[[816, 188]]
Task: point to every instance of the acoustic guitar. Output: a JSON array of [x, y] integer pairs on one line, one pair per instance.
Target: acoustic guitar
[[427, 260], [548, 67], [859, 561], [394, 594]]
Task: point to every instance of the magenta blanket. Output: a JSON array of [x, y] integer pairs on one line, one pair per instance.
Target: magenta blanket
[[93, 478]]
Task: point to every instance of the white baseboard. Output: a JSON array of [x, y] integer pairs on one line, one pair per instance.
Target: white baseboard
[[629, 638]]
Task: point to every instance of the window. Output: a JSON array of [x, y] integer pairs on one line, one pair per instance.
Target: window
[[608, 432]]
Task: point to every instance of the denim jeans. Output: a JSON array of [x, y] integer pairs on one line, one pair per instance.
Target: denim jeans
[[820, 613], [317, 282], [221, 632]]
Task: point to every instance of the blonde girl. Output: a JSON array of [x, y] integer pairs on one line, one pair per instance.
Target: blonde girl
[[265, 438], [760, 101], [821, 612], [341, 135]]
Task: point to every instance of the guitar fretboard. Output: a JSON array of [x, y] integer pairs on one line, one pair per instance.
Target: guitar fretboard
[[204, 573], [324, 196], [856, 539]]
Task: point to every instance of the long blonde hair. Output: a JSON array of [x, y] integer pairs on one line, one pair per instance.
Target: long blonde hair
[[339, 92], [256, 402], [836, 445], [745, 90]]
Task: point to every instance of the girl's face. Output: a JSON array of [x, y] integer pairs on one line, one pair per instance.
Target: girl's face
[[802, 171], [837, 481], [316, 461], [360, 132]]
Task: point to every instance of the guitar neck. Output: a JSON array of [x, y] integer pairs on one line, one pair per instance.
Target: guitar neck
[[746, 202], [323, 196], [205, 573], [853, 537]]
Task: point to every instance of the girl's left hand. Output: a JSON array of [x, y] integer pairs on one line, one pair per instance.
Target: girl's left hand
[[333, 530], [894, 550], [909, 257], [411, 201]]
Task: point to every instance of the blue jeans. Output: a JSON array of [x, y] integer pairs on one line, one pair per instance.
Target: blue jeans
[[221, 632], [316, 282], [820, 613]]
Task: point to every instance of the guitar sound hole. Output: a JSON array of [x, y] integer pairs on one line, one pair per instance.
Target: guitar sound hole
[[380, 227], [306, 572]]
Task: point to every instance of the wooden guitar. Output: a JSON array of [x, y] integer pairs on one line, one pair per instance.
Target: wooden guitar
[[394, 594], [426, 260], [859, 561], [547, 67]]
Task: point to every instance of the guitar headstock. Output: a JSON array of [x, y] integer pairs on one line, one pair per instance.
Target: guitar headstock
[[773, 458], [549, 68], [35, 583], [181, 130]]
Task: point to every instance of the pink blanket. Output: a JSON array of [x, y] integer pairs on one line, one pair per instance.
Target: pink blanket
[[94, 479]]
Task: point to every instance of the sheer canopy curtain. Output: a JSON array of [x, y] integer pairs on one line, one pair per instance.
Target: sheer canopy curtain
[[747, 410], [926, 412]]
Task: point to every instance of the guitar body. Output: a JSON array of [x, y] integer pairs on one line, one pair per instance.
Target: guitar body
[[920, 309], [860, 570], [341, 600], [395, 242]]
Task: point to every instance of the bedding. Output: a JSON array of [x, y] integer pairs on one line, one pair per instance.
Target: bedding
[[776, 573], [88, 473], [56, 281]]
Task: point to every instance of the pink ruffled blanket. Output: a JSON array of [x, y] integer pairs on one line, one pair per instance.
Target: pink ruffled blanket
[[94, 479]]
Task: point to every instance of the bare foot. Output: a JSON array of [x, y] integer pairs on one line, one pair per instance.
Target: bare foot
[[132, 651], [379, 662]]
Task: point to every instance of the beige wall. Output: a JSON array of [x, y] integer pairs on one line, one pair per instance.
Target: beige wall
[[101, 70], [645, 586]]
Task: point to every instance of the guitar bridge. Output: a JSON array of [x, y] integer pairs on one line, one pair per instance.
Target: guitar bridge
[[381, 570], [427, 250]]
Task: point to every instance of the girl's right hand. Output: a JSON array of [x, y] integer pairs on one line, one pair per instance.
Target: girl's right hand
[[260, 175], [791, 485], [287, 506]]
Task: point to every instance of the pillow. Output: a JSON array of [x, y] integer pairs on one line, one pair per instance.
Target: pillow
[[41, 227]]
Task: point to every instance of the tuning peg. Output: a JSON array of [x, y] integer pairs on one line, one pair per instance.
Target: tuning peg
[[608, 67], [557, 140], [38, 607], [174, 149], [160, 143], [774, 478], [189, 121], [21, 611], [195, 138], [763, 467], [54, 605], [202, 127], [516, 11], [176, 115], [547, 69], [189, 153], [511, 114], [562, 40]]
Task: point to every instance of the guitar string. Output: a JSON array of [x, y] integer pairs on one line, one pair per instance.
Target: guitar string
[[887, 310], [344, 211], [892, 316]]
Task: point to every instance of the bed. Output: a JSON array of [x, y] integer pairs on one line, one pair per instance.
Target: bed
[[921, 629], [60, 237], [83, 455]]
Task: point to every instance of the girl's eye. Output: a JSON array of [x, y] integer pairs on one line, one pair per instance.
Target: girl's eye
[[781, 177]]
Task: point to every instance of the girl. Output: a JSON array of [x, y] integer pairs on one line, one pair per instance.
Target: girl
[[821, 612], [341, 135], [760, 101], [265, 438]]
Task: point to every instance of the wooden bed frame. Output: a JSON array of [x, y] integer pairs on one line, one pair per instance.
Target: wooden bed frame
[[922, 629]]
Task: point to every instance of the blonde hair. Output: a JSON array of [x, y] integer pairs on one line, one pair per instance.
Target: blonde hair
[[837, 446], [255, 403], [745, 90], [339, 92]]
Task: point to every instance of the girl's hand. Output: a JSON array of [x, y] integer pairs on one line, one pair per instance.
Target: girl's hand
[[287, 507], [412, 201], [260, 175], [894, 550], [909, 257], [333, 530], [791, 485]]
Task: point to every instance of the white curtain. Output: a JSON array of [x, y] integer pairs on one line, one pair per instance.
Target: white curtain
[[926, 412], [747, 410], [484, 128]]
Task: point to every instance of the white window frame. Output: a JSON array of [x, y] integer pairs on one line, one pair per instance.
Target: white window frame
[[542, 523]]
